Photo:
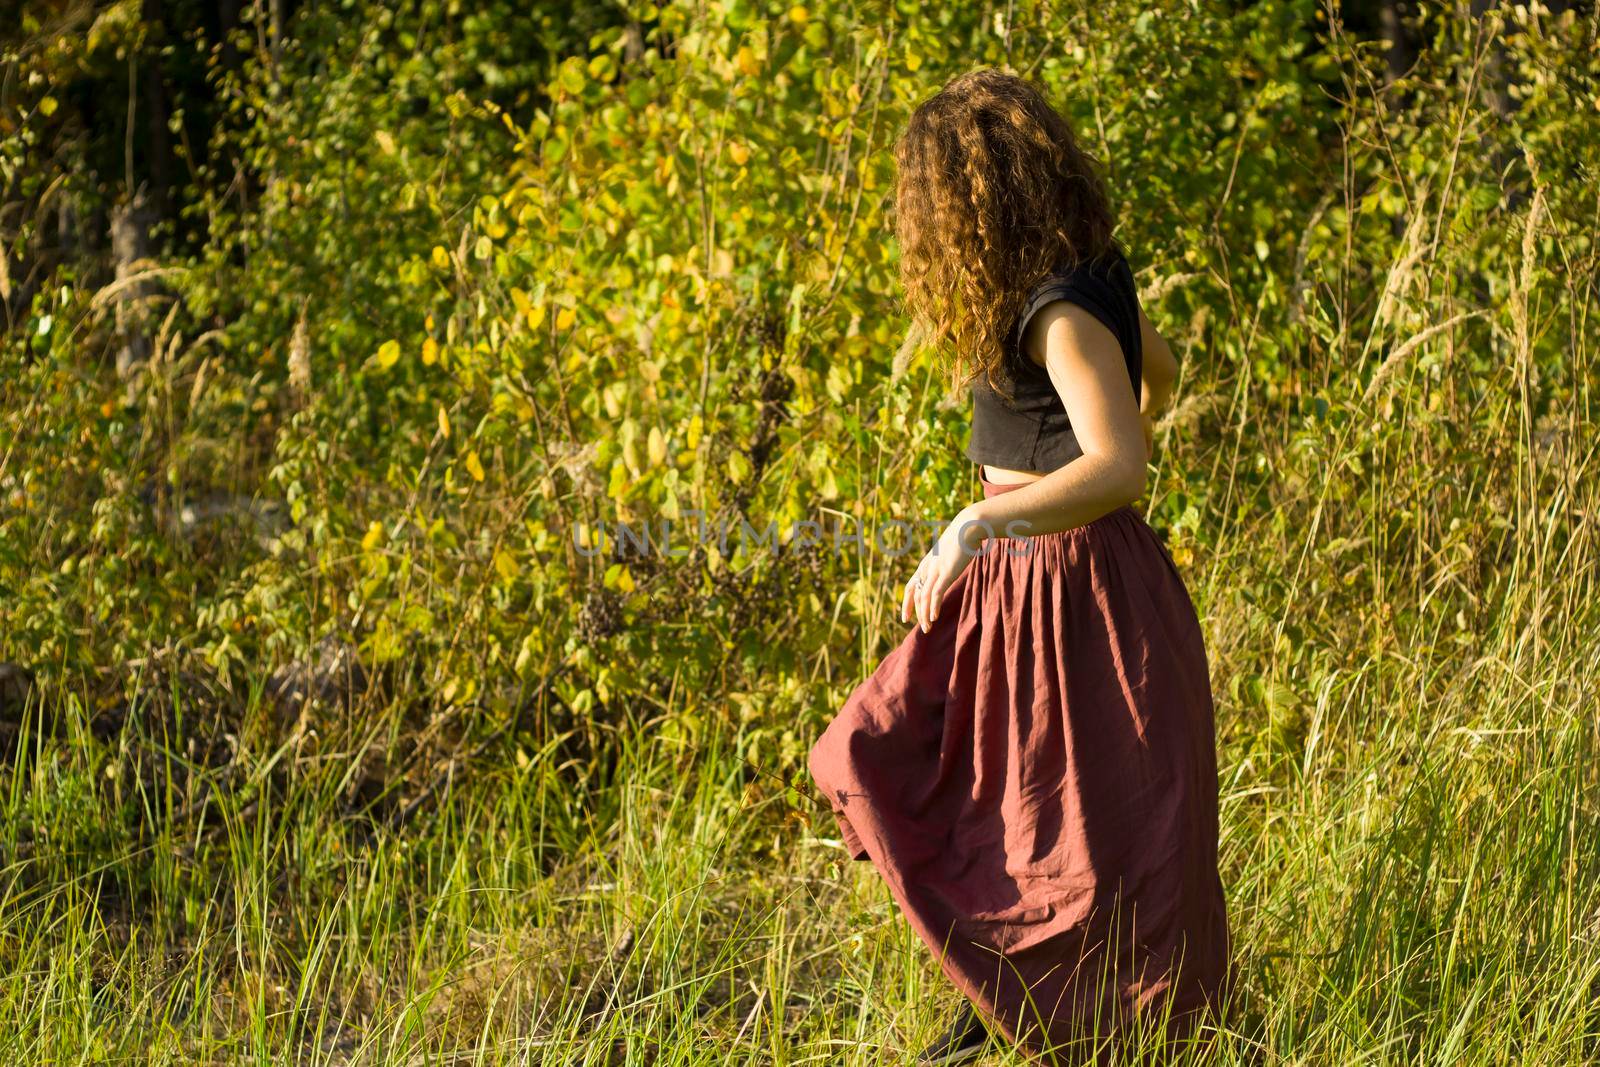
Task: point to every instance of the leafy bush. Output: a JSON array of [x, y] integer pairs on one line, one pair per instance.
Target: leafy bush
[[446, 340]]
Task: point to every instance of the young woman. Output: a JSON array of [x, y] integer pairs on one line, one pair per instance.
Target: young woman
[[1033, 769]]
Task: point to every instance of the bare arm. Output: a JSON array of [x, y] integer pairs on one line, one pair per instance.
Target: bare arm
[[1086, 365], [1159, 371]]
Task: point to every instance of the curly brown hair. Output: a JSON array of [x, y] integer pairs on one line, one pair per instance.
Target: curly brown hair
[[993, 192]]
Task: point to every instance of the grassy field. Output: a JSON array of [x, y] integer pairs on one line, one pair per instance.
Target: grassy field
[[564, 819], [1411, 880]]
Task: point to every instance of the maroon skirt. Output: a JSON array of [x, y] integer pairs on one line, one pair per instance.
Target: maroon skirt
[[1036, 781]]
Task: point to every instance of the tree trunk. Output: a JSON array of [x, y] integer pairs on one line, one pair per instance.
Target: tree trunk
[[131, 221]]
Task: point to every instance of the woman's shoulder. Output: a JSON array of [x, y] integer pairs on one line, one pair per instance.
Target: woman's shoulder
[[1101, 284]]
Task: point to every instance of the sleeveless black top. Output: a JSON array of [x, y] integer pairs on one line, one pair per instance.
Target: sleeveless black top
[[1032, 433]]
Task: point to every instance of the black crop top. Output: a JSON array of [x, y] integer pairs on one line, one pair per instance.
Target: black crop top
[[1032, 433]]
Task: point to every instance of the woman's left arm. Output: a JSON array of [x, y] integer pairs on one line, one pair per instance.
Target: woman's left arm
[[1086, 366]]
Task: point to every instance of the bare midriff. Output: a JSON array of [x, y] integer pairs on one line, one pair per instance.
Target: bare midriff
[[1002, 476]]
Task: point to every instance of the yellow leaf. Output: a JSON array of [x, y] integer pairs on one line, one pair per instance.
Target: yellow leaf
[[565, 318], [657, 447], [798, 14], [474, 466], [520, 299], [536, 316], [748, 64], [444, 423], [441, 258], [430, 351], [738, 153], [913, 60], [572, 75], [374, 536], [624, 581], [505, 566], [388, 354], [47, 106], [385, 142]]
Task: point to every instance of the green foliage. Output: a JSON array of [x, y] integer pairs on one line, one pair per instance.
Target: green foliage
[[445, 335]]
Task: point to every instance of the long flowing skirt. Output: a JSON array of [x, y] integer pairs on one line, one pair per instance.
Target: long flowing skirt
[[1036, 781]]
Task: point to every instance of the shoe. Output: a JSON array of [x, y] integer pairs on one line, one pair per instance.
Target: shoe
[[961, 1043]]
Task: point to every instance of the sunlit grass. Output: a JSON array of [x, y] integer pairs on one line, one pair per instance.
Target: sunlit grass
[[1418, 886]]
